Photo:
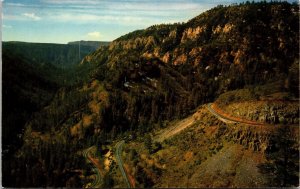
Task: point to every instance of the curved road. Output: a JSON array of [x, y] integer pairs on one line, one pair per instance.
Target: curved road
[[97, 181], [119, 146], [228, 119]]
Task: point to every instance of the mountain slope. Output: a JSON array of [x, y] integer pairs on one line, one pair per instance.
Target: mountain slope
[[223, 49], [144, 80]]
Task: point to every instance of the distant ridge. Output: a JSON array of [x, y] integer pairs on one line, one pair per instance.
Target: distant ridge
[[59, 55], [95, 44]]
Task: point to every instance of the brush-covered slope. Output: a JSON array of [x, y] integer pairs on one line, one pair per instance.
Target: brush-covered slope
[[266, 104]]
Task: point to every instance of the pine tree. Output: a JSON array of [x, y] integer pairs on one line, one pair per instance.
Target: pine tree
[[283, 159], [148, 143]]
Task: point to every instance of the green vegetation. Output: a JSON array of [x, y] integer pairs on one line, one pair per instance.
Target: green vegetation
[[108, 182], [282, 166], [50, 163]]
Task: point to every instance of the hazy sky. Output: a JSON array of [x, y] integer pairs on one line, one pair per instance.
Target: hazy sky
[[61, 21]]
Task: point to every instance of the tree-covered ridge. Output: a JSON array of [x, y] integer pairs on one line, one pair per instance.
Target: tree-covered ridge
[[223, 49], [94, 44], [246, 44]]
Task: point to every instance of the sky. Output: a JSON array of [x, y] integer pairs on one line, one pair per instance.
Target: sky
[[62, 21]]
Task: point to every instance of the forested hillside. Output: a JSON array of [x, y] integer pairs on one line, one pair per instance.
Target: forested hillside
[[223, 49], [25, 90], [145, 79], [32, 74]]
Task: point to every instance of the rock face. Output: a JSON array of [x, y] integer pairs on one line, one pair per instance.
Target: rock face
[[192, 33], [282, 112], [255, 138]]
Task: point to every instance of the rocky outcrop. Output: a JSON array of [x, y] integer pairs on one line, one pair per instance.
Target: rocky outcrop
[[273, 112], [192, 33], [180, 59], [135, 43], [252, 138]]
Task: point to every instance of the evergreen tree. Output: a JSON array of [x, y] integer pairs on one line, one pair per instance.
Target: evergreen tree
[[283, 159], [148, 143]]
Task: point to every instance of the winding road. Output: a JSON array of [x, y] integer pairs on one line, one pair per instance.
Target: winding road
[[97, 182], [229, 119], [119, 146]]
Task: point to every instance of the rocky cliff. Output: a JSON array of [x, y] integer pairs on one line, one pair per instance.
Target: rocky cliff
[[273, 112]]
